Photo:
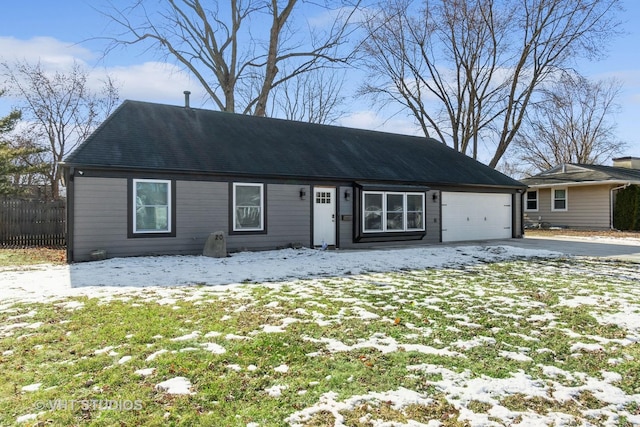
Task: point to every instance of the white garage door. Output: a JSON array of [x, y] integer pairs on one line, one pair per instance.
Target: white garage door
[[476, 216]]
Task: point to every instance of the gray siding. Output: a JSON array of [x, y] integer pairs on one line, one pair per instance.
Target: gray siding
[[288, 220], [100, 219], [100, 216], [587, 207], [517, 211], [432, 218], [345, 217], [202, 207]]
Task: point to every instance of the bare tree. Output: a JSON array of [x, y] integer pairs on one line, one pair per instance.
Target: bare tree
[[467, 70], [237, 51], [311, 97], [571, 124], [60, 109]]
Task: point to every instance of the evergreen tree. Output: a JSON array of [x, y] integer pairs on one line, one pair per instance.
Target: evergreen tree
[[10, 157]]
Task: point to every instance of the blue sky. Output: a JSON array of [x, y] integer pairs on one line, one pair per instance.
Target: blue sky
[[56, 33]]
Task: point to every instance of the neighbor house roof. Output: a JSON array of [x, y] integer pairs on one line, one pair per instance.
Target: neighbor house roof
[[147, 136], [580, 174]]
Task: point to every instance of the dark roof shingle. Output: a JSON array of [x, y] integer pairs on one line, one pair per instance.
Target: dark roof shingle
[[581, 173], [144, 136]]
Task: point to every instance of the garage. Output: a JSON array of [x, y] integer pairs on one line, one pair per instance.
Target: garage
[[476, 216]]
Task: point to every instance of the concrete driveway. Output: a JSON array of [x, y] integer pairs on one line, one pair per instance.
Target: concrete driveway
[[628, 250]]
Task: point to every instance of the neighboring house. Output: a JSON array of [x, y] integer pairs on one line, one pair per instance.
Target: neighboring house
[[577, 195], [158, 179]]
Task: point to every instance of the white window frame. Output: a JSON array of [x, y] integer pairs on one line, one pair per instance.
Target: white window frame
[[526, 201], [135, 206], [382, 211], [385, 212], [234, 208], [566, 199], [406, 211]]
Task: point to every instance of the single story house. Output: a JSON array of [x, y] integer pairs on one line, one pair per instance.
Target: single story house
[[578, 195], [158, 179]]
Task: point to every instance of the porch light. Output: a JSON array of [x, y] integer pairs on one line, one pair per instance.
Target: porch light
[[303, 193], [347, 195], [434, 197]]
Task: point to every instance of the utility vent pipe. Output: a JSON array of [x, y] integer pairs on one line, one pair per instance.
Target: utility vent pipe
[[186, 98]]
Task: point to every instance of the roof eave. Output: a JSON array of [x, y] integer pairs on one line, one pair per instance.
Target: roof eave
[[245, 175], [585, 183]]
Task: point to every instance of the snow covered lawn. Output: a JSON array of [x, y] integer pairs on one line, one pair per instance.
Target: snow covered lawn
[[453, 336]]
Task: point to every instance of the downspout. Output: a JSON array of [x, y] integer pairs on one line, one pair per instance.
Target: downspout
[[622, 187], [69, 177]]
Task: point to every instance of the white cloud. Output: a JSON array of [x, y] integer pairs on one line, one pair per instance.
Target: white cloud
[[52, 53], [155, 82], [147, 81]]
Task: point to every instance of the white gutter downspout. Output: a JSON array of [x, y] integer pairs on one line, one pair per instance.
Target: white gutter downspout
[[622, 187]]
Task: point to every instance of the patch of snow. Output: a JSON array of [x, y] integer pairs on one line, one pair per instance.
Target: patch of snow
[[328, 403], [32, 387], [192, 336], [145, 372], [104, 350], [586, 347], [156, 354], [519, 357], [177, 385], [27, 417], [276, 390], [214, 348], [123, 275], [124, 359], [282, 369]]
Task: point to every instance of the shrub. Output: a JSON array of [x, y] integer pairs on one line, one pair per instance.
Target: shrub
[[626, 215]]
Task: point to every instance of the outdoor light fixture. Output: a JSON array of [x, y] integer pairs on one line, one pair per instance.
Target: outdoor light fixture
[[434, 196], [347, 195], [303, 193]]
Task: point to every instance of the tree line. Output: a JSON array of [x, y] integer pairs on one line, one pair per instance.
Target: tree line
[[492, 76]]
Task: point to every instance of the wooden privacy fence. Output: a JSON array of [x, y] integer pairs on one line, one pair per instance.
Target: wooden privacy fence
[[32, 223]]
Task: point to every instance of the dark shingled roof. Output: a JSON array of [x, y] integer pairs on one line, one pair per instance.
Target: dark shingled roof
[[580, 173], [147, 136]]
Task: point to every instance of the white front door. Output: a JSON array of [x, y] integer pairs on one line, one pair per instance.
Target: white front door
[[324, 216]]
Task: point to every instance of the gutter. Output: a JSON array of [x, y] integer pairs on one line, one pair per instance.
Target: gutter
[[581, 184], [622, 187]]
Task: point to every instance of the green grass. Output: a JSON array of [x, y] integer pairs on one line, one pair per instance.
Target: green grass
[[31, 256], [422, 331]]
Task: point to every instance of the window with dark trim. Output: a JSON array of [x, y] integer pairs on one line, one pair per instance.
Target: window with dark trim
[[392, 212], [152, 208], [532, 200], [248, 207]]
